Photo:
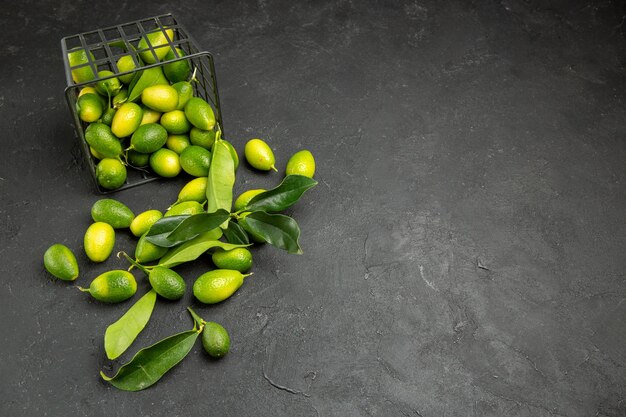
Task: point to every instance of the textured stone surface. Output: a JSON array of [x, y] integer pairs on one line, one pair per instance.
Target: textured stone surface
[[464, 250]]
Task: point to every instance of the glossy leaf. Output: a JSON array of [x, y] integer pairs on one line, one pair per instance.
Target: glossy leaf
[[121, 334], [284, 196], [196, 224], [221, 178], [192, 249], [236, 234], [276, 229]]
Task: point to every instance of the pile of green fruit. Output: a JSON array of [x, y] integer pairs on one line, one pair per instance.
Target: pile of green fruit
[[149, 118]]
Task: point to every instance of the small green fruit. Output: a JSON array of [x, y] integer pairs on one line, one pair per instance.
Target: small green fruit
[[99, 241], [217, 285], [113, 286], [239, 259], [61, 262], [215, 339], [112, 212], [167, 283]]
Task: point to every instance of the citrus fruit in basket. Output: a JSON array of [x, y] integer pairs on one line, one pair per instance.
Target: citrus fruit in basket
[[215, 340], [111, 173], [109, 87], [126, 120], [259, 155], [239, 259], [83, 74], [185, 92], [178, 70], [148, 138], [113, 286], [107, 116], [99, 241], [162, 98], [177, 143], [301, 163], [144, 221], [149, 115], [204, 138], [158, 41], [195, 161], [61, 262], [137, 159], [89, 107], [87, 90], [165, 163], [200, 113], [175, 122], [126, 63], [100, 138], [242, 201]]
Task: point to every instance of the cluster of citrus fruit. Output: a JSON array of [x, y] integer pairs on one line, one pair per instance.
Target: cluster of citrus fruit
[[149, 118]]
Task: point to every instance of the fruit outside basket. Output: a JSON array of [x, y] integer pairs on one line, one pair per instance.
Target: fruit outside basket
[[108, 45]]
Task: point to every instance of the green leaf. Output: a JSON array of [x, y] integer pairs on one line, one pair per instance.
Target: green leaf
[[276, 229], [236, 234], [142, 80], [192, 249], [163, 227], [219, 190], [151, 363], [285, 195], [196, 224], [121, 334]]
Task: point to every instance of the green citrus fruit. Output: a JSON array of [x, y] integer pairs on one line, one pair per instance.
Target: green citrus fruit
[[204, 138], [215, 340], [107, 116], [83, 74], [100, 137], [259, 155], [148, 138], [185, 92], [112, 212], [149, 116], [233, 153], [195, 161], [146, 251], [217, 285], [126, 63], [161, 98], [242, 201], [185, 208], [109, 87], [120, 98], [126, 120], [88, 90], [110, 173], [239, 259], [113, 286], [89, 107], [95, 153], [137, 159], [158, 41], [144, 221], [177, 143], [301, 163], [165, 163], [194, 190], [167, 283], [61, 262], [175, 122], [199, 113], [99, 241], [179, 70]]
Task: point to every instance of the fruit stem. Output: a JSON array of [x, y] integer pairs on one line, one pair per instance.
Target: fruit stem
[[199, 321], [274, 168], [133, 262], [247, 275], [82, 289], [193, 76]]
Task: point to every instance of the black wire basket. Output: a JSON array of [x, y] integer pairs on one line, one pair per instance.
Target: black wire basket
[[108, 44]]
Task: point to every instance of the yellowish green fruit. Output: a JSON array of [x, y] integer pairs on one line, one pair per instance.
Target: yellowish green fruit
[[148, 138], [233, 153], [60, 261], [100, 137], [165, 163], [217, 285], [185, 92], [177, 143], [95, 153], [301, 163], [113, 286], [167, 283], [126, 63], [239, 259], [89, 107], [113, 212], [242, 201], [99, 241], [195, 161], [146, 251], [187, 208], [175, 122], [111, 173], [83, 74], [110, 86], [144, 221], [200, 113], [149, 116], [179, 70], [215, 340], [107, 117], [137, 159], [158, 41], [204, 138], [126, 120], [87, 90], [194, 190], [162, 98], [259, 155]]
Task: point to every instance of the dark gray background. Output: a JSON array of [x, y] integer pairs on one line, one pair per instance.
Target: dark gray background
[[464, 252]]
